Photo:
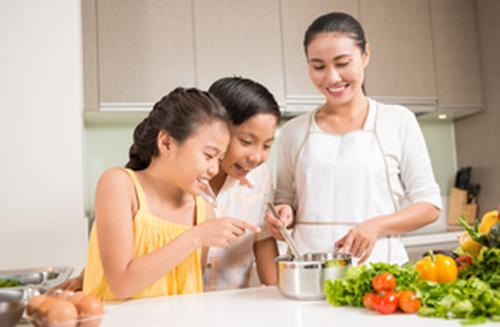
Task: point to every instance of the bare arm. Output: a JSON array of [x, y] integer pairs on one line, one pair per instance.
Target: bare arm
[[126, 273], [265, 251], [361, 239]]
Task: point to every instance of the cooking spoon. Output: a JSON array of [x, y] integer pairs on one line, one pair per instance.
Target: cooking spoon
[[286, 235]]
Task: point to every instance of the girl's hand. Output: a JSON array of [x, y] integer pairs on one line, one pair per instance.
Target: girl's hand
[[222, 231], [360, 240], [73, 284], [286, 218]]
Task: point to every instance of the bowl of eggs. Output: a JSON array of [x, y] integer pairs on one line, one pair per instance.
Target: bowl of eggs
[[65, 309]]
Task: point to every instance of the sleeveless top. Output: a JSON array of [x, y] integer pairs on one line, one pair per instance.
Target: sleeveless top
[[150, 233]]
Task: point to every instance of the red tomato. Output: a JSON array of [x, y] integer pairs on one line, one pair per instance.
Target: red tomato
[[368, 300], [384, 282], [385, 302], [408, 302]]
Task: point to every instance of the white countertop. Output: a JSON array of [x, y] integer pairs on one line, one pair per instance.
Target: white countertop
[[431, 238], [252, 307]]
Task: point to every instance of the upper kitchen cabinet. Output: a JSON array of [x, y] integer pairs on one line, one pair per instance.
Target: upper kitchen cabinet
[[401, 63], [145, 49], [239, 38], [296, 15], [456, 54]]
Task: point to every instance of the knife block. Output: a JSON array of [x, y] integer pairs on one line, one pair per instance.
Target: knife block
[[458, 206]]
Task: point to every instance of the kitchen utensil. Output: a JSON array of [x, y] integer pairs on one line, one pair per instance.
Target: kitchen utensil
[[33, 281], [286, 235], [304, 280], [463, 177], [10, 313], [472, 193]]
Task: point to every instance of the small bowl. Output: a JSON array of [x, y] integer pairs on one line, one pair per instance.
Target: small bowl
[[10, 313], [304, 280]]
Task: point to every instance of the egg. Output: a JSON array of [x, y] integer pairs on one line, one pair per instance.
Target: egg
[[77, 296], [34, 303], [62, 311], [45, 307], [90, 306], [90, 310]]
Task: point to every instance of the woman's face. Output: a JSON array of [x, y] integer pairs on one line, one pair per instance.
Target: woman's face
[[197, 159], [250, 144], [336, 67]]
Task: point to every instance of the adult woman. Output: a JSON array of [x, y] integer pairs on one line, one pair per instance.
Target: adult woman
[[356, 171], [243, 184]]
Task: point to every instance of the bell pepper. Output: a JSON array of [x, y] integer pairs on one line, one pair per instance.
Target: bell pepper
[[489, 219], [437, 268]]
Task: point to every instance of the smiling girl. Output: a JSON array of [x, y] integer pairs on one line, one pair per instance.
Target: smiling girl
[[150, 223], [244, 184], [355, 171]]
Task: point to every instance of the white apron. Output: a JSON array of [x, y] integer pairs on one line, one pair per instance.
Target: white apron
[[343, 180]]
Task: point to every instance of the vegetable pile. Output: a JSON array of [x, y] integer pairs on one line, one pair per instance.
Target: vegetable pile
[[450, 286]]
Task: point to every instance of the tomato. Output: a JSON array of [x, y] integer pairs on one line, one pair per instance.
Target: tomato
[[368, 300], [385, 302], [463, 261], [427, 269], [384, 282], [408, 302]]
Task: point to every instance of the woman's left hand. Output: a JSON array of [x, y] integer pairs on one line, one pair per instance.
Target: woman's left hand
[[360, 240]]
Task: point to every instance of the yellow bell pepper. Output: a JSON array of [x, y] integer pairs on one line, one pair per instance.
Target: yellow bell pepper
[[489, 219], [437, 268]]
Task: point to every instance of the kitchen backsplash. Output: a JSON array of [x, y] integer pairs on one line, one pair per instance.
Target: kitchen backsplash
[[107, 146]]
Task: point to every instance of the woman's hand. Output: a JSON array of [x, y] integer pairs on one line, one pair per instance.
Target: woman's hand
[[222, 231], [360, 240], [285, 213]]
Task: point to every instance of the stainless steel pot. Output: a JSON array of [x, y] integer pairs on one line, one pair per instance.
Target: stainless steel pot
[[304, 280]]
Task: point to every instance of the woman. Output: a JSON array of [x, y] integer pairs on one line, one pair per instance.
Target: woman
[[355, 171]]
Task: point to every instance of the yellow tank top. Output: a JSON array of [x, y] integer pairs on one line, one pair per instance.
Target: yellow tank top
[[150, 234]]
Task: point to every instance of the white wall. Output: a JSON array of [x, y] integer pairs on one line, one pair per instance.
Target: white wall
[[41, 133]]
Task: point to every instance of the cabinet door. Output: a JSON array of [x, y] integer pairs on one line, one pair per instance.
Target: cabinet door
[[296, 16], [145, 49], [401, 63], [239, 38], [457, 53], [89, 50]]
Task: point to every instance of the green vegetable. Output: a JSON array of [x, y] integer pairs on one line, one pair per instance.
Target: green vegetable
[[486, 267], [350, 290], [494, 236], [472, 300], [473, 232], [9, 283]]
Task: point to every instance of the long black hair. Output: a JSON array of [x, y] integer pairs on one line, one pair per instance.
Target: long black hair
[[336, 22], [178, 113], [244, 98]]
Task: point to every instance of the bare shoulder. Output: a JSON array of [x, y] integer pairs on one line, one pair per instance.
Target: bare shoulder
[[115, 177], [115, 184]]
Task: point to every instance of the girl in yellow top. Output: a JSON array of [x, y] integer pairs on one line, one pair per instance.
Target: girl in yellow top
[[150, 222]]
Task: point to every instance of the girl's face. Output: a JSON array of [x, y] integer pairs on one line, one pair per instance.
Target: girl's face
[[197, 159], [250, 144], [336, 67]]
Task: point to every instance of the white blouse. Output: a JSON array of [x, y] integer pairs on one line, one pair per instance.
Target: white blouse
[[411, 176]]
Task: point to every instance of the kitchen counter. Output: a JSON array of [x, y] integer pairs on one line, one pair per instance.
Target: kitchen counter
[[252, 307]]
